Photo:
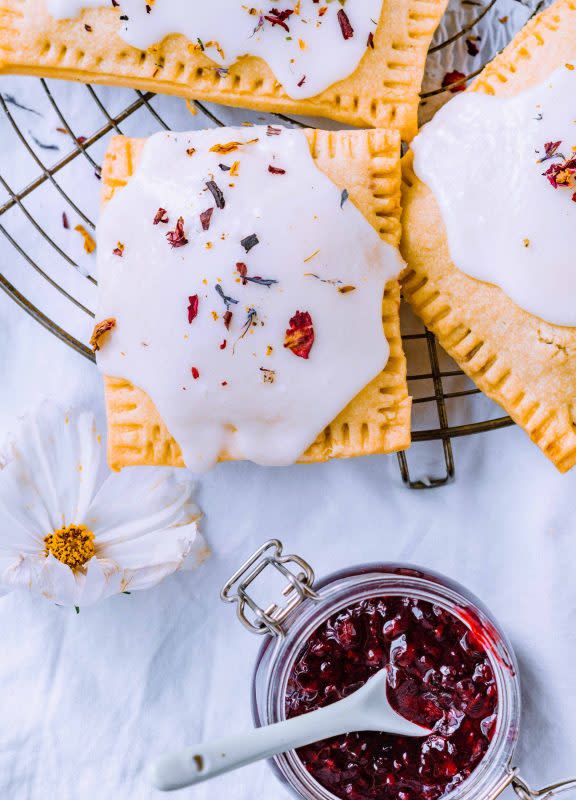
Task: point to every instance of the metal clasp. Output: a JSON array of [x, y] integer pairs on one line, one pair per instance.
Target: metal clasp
[[513, 778], [524, 792], [299, 588]]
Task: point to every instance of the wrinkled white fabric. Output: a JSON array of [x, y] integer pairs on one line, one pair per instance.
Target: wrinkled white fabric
[[86, 700]]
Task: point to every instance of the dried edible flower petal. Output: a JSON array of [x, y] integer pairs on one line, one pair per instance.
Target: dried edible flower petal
[[192, 307], [471, 46], [216, 193], [260, 281], [89, 243], [177, 237], [300, 335], [228, 147], [454, 81], [161, 216], [248, 242], [331, 281], [550, 149], [100, 329], [345, 26], [251, 319], [205, 218], [242, 270], [228, 301], [195, 373], [561, 174], [276, 170], [279, 17]]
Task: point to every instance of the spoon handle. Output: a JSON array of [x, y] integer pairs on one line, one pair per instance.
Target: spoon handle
[[204, 761]]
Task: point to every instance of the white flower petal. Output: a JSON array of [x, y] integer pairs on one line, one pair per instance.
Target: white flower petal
[[169, 545], [15, 537], [46, 576], [51, 472], [139, 501], [101, 580], [23, 571], [55, 581], [147, 577], [197, 553]]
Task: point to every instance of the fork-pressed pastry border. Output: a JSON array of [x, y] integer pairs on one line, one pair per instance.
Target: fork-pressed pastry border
[[367, 164], [382, 92], [527, 365]]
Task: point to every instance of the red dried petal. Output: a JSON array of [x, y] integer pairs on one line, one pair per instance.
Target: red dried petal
[[276, 170], [551, 147], [471, 47], [242, 270], [279, 17], [345, 26], [192, 307], [176, 237], [561, 173], [551, 173], [205, 218], [161, 216], [195, 373], [455, 80], [300, 335]]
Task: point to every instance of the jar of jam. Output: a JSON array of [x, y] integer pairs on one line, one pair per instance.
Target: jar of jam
[[449, 668]]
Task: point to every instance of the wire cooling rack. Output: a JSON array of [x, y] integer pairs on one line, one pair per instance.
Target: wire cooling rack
[[53, 282]]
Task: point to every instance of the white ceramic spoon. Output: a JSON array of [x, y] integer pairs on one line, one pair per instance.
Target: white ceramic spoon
[[367, 709]]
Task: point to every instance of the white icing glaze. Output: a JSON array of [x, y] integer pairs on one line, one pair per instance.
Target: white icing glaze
[[506, 224], [325, 58], [302, 228]]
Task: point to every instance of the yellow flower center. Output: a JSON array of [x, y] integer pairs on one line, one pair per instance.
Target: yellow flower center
[[73, 545]]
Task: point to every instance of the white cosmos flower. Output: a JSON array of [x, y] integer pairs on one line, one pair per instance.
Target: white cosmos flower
[[73, 532]]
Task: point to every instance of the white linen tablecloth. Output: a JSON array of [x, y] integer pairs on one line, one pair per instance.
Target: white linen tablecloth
[[87, 699]]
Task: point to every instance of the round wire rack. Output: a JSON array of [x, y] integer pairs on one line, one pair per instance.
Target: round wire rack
[[49, 199]]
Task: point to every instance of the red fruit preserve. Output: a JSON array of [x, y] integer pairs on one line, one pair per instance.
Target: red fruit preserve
[[439, 675]]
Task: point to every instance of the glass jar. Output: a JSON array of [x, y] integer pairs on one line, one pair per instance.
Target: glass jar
[[306, 604]]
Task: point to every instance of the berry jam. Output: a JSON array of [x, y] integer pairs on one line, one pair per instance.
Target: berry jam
[[439, 676]]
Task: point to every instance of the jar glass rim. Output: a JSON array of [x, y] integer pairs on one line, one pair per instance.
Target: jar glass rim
[[338, 589]]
